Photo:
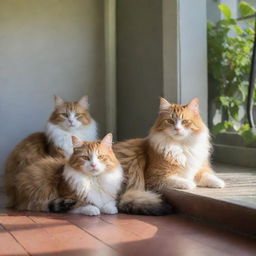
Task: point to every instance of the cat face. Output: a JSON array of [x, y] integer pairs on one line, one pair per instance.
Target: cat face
[[179, 121], [93, 158], [70, 115]]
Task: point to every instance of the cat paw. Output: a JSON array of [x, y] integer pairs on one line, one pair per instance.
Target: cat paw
[[211, 181], [180, 183], [109, 209], [90, 210]]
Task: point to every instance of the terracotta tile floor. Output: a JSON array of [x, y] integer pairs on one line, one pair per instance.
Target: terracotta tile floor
[[26, 233]]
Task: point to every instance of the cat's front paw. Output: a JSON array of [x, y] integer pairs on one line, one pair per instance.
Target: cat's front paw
[[180, 183], [109, 209], [211, 181], [90, 210]]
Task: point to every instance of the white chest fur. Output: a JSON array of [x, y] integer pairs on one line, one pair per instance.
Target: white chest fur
[[97, 190], [62, 139], [190, 154]]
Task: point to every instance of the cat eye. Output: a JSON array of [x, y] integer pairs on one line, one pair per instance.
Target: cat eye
[[78, 115], [85, 158], [101, 157], [63, 114], [185, 122], [170, 121]]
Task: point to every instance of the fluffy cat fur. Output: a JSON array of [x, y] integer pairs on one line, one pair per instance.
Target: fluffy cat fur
[[174, 155], [67, 119], [87, 183]]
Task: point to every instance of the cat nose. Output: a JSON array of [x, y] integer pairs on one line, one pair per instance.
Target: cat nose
[[177, 129], [93, 165]]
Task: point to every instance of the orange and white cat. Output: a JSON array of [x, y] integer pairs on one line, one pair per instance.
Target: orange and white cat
[[67, 119], [174, 155], [70, 119], [87, 183]]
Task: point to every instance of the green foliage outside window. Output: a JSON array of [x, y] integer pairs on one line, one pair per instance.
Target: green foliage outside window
[[230, 46]]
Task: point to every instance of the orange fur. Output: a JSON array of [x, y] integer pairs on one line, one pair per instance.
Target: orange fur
[[42, 182], [37, 146], [149, 163], [59, 113]]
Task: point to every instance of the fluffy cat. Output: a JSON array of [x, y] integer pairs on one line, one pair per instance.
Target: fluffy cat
[[67, 119], [174, 155], [87, 183]]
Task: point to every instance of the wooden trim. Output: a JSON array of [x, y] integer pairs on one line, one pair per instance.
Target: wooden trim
[[228, 215], [110, 64]]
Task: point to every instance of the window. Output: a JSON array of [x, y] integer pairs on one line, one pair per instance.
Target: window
[[230, 46]]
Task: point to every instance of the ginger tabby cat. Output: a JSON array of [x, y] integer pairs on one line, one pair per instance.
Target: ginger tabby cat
[[68, 119], [174, 155], [86, 183]]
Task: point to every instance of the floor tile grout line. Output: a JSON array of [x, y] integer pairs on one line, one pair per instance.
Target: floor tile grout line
[[17, 241], [121, 228], [69, 221], [84, 230]]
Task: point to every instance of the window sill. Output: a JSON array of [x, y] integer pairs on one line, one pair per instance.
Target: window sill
[[228, 145], [233, 207]]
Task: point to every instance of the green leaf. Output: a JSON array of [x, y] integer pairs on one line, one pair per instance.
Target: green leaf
[[238, 29], [249, 136], [234, 112], [244, 128], [218, 128], [221, 127], [246, 9], [225, 10], [224, 100]]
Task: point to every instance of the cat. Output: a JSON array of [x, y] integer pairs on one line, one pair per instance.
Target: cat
[[67, 119], [174, 155], [86, 183]]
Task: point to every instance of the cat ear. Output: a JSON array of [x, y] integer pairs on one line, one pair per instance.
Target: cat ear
[[194, 105], [58, 101], [77, 143], [164, 104], [84, 102], [107, 140]]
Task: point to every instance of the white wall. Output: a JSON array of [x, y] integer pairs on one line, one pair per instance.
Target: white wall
[[48, 47], [161, 51]]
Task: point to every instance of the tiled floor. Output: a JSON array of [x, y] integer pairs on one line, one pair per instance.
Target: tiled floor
[[26, 233]]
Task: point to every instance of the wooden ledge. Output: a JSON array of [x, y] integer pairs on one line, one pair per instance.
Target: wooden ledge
[[233, 207]]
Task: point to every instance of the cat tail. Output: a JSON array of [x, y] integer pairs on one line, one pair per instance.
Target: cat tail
[[135, 200], [61, 205], [143, 202]]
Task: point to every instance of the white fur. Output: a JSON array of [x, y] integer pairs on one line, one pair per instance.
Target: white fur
[[61, 137], [211, 181], [94, 166], [191, 152], [101, 190], [89, 210], [180, 183]]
